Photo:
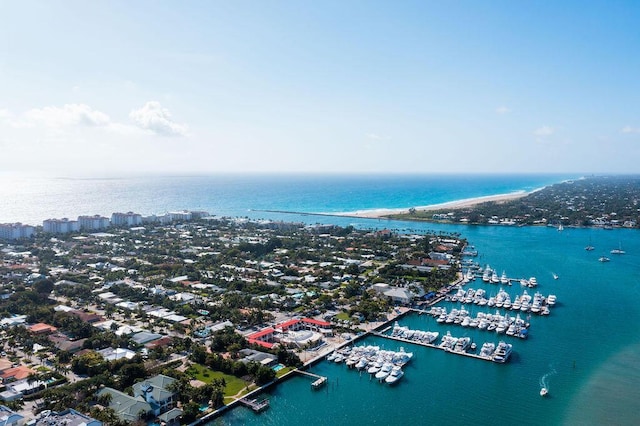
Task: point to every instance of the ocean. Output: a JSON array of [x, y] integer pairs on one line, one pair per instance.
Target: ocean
[[34, 199], [587, 352]]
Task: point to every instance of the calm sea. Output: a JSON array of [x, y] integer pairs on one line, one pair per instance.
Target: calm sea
[[34, 199], [587, 351]]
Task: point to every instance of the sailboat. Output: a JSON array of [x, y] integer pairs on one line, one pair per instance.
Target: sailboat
[[589, 247], [560, 227], [618, 250]]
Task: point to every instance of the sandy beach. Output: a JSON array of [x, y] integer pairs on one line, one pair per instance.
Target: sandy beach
[[379, 213]]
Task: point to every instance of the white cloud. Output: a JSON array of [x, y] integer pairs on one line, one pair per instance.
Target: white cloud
[[502, 110], [544, 131], [67, 115], [374, 136], [157, 119], [629, 129]]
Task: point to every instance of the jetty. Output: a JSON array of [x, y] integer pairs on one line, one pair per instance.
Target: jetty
[[256, 405], [431, 345], [319, 380]]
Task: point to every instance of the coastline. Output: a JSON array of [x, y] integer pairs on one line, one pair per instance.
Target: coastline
[[457, 204]]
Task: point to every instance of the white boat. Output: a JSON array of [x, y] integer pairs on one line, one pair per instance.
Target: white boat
[[544, 392], [462, 344], [589, 248], [502, 352], [618, 250], [551, 299], [503, 278], [395, 375], [533, 282], [603, 259], [560, 227], [487, 350], [384, 371], [362, 363], [555, 276], [332, 356]]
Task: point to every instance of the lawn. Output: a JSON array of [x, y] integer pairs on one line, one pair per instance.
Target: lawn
[[202, 373], [343, 316]]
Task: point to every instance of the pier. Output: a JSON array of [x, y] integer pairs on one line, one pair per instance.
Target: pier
[[255, 405], [431, 345], [318, 383]]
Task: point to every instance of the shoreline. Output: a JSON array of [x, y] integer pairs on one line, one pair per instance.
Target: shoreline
[[456, 204]]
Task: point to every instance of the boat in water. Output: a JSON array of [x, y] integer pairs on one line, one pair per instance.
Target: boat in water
[[603, 259], [395, 375], [544, 392], [618, 250], [502, 352]]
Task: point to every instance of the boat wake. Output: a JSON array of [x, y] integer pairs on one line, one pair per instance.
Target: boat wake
[[544, 380]]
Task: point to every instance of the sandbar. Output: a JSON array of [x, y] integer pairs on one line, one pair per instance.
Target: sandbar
[[458, 204]]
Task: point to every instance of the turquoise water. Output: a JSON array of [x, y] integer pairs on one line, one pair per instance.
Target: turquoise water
[[32, 200], [586, 350]]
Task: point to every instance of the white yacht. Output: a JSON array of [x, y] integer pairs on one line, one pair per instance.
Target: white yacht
[[533, 282], [603, 259], [384, 371], [395, 375], [503, 278], [551, 299], [487, 350], [502, 352]]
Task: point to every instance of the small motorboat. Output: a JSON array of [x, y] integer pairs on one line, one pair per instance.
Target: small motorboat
[[544, 392]]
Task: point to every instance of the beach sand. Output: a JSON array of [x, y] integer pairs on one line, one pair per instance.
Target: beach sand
[[459, 204]]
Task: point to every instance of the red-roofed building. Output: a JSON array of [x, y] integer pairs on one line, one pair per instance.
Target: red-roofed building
[[16, 373], [42, 328], [262, 338]]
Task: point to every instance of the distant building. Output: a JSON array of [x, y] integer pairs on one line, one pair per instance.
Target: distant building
[[60, 226], [126, 219], [93, 223], [15, 231]]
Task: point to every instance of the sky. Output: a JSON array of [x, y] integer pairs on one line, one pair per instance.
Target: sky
[[192, 87]]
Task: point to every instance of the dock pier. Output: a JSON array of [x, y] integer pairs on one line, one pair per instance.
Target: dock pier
[[255, 405], [430, 345], [318, 383]]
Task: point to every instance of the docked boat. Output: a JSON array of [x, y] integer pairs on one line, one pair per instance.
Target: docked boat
[[533, 282], [384, 371], [395, 375], [503, 278], [487, 349], [362, 363], [551, 299], [502, 352], [462, 344]]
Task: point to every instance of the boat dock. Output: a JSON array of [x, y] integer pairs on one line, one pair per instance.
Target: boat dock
[[255, 405], [318, 383], [431, 345]]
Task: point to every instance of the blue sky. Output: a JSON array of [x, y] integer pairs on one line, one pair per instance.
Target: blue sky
[[117, 87]]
